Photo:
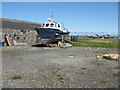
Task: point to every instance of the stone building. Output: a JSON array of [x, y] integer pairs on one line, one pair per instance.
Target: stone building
[[20, 31]]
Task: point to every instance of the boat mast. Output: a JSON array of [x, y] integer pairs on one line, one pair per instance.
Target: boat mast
[[50, 17]]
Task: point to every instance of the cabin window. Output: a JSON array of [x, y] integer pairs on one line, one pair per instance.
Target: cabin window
[[47, 25], [55, 25], [58, 25], [43, 25], [51, 25]]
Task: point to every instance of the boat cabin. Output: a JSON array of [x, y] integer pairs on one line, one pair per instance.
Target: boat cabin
[[53, 25]]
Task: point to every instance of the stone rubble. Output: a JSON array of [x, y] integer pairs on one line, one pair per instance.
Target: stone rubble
[[112, 56]]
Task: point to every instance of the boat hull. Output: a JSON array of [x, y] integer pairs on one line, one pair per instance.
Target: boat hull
[[49, 35], [50, 41]]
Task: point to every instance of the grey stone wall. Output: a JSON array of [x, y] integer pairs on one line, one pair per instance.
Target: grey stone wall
[[24, 36], [20, 31]]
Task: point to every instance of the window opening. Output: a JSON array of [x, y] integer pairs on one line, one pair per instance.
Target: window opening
[[47, 25], [51, 25], [58, 25]]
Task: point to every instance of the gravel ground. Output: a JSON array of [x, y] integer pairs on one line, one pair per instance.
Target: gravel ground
[[75, 67]]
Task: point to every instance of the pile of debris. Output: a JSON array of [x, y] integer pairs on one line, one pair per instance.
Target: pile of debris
[[60, 44], [109, 56]]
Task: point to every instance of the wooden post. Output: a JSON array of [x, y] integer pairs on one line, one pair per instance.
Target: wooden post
[[6, 41], [62, 38]]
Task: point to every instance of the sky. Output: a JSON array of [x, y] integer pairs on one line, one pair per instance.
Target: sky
[[60, 0], [76, 16]]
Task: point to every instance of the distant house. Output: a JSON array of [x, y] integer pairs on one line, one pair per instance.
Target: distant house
[[106, 36], [95, 36]]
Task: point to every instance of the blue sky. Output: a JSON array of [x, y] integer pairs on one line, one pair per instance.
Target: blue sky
[[76, 16]]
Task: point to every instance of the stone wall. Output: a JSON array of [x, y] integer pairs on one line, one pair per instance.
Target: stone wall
[[19, 31], [23, 36]]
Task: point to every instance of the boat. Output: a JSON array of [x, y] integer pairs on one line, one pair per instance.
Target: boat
[[52, 32]]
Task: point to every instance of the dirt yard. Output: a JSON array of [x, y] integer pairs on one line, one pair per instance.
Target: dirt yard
[[75, 67]]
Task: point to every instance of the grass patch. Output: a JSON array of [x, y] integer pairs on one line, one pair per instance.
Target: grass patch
[[98, 63], [88, 42], [83, 68], [58, 75], [17, 77], [61, 78], [81, 73], [103, 81], [116, 67], [93, 70], [95, 44], [58, 69], [107, 57]]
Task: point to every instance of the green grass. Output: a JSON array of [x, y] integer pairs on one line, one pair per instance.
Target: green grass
[[116, 67], [103, 81], [95, 44], [83, 68], [61, 78], [107, 57], [17, 77], [88, 42]]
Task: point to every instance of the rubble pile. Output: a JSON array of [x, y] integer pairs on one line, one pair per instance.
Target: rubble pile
[[60, 44], [109, 56]]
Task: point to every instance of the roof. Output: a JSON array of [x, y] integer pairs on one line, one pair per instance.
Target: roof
[[19, 24], [52, 22]]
